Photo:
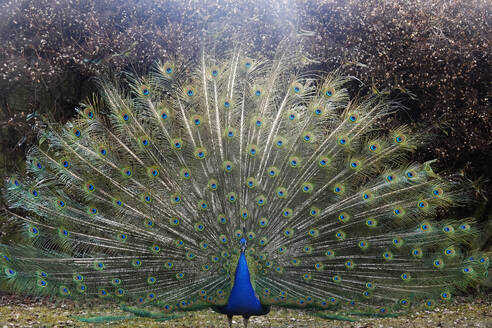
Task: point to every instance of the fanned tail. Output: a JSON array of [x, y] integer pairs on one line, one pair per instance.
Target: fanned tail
[[145, 196]]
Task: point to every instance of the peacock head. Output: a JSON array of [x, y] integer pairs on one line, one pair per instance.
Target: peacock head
[[243, 243]]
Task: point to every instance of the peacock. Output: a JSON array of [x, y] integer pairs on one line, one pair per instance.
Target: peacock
[[237, 184]]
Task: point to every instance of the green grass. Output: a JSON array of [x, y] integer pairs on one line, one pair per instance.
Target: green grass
[[475, 312]]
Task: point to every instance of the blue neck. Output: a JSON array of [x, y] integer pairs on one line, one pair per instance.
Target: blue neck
[[242, 300]]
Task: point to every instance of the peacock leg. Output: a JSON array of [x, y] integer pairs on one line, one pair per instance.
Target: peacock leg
[[245, 321], [229, 319]]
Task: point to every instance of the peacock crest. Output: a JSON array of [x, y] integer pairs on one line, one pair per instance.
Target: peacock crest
[[196, 182]]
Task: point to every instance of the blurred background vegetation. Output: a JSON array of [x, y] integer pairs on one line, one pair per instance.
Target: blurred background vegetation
[[433, 55]]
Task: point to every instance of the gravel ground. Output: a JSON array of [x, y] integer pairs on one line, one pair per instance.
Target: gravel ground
[[18, 311]]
